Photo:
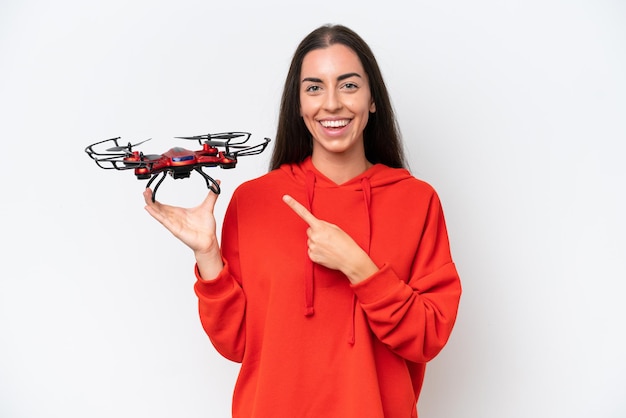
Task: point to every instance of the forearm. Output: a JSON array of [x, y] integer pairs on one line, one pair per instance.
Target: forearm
[[209, 263], [415, 324], [222, 308]]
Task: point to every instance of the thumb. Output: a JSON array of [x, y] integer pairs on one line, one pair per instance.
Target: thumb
[[209, 201]]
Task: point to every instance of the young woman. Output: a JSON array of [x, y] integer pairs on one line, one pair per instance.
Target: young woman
[[333, 285]]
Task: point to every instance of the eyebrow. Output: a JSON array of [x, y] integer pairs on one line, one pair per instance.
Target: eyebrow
[[340, 78]]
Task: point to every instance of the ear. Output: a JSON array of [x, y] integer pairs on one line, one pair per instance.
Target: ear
[[372, 107]]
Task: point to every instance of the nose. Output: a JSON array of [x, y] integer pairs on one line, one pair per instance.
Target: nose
[[332, 100]]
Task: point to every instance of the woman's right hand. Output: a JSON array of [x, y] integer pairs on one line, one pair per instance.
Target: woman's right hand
[[195, 227]]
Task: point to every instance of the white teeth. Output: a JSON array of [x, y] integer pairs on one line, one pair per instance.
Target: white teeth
[[334, 123]]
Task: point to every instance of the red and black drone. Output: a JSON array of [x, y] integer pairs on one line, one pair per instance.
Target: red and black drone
[[178, 162]]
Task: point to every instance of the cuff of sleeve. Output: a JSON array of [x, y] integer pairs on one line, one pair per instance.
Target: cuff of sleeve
[[216, 287], [378, 285]]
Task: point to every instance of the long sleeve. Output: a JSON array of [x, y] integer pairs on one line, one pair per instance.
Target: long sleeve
[[371, 338], [414, 316], [222, 302]]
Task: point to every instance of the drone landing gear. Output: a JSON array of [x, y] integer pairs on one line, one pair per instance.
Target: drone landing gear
[[157, 185], [213, 185]]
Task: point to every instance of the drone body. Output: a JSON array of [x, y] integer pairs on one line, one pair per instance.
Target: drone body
[[178, 162]]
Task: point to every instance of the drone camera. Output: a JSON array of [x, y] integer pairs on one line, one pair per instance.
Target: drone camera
[[180, 173]]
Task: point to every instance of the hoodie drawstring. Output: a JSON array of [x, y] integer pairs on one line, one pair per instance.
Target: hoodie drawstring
[[367, 196], [309, 283]]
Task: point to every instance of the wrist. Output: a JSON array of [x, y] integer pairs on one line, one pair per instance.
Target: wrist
[[363, 268], [208, 253], [209, 263]]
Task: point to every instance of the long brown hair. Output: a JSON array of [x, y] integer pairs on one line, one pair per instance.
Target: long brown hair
[[381, 136]]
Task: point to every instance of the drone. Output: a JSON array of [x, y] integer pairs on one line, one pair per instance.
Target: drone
[[218, 150]]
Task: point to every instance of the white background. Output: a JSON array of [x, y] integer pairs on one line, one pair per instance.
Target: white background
[[514, 111]]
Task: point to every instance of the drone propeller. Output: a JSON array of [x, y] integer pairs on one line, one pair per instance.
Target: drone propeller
[[229, 135], [208, 137], [225, 144], [128, 147], [226, 136]]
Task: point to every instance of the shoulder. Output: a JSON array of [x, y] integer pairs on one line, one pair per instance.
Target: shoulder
[[262, 186], [405, 194], [270, 178], [400, 180], [422, 187]]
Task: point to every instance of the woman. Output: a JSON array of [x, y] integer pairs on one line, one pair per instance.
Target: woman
[[334, 284]]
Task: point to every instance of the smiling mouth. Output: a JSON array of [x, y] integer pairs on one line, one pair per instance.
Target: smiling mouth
[[335, 123]]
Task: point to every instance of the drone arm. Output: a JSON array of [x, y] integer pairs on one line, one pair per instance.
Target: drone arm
[[113, 158]]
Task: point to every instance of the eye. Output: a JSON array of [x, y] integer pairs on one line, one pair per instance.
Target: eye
[[350, 86], [312, 88]]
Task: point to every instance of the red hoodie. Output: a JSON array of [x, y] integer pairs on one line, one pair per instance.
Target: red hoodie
[[310, 343]]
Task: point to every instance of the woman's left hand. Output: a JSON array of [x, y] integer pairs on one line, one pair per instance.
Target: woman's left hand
[[332, 247]]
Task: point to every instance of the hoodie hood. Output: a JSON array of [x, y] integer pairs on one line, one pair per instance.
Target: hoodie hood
[[378, 175], [347, 205]]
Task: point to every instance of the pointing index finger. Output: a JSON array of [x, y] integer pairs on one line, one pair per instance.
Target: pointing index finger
[[300, 210]]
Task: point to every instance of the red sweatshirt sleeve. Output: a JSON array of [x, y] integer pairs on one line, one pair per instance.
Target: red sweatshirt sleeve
[[222, 302], [414, 315]]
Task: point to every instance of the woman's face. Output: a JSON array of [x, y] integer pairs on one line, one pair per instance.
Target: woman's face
[[335, 100]]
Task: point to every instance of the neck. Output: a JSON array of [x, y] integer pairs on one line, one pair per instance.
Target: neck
[[340, 169]]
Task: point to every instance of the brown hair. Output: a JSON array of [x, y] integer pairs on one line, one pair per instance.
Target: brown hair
[[381, 135]]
